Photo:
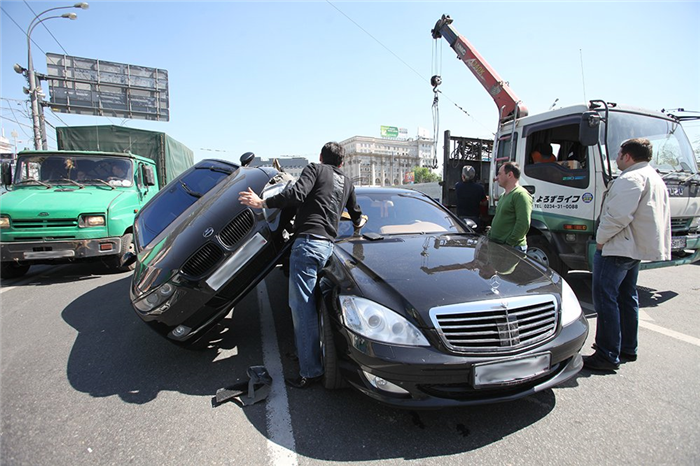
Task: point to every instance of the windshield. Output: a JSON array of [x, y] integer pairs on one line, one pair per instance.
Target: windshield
[[76, 170], [672, 150], [177, 197], [401, 213]]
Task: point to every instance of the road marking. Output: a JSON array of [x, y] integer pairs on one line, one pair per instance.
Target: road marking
[[281, 447], [670, 333], [7, 288], [645, 322]]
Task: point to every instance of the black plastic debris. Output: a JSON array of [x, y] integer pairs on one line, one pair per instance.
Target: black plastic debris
[[246, 393]]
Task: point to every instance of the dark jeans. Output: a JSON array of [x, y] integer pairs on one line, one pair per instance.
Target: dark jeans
[[617, 305]]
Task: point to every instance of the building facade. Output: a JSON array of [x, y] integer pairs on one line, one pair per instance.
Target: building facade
[[291, 165], [373, 161]]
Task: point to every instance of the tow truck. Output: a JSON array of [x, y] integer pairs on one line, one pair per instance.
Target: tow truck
[[567, 194]]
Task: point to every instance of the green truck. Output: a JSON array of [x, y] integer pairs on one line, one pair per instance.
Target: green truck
[[78, 203]]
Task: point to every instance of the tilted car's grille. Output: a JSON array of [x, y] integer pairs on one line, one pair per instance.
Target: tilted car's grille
[[237, 229], [497, 325], [203, 260]]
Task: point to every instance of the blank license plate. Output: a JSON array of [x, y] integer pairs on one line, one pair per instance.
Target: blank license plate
[[511, 371]]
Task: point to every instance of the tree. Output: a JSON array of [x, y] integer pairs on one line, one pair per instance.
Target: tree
[[424, 175]]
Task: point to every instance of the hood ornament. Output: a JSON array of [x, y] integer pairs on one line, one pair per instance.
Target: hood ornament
[[495, 282]]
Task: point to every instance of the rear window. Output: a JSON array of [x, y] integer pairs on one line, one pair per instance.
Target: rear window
[[177, 197]]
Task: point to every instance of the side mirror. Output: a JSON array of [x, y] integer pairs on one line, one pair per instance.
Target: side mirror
[[6, 174], [589, 129], [149, 177], [247, 158]]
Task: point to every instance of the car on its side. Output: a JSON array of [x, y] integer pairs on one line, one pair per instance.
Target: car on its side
[[198, 251], [420, 312]]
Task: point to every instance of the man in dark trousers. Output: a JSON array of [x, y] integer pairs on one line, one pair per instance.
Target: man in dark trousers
[[320, 195], [635, 225], [470, 195]]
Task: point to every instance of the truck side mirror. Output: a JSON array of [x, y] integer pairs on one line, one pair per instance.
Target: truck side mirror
[[149, 178], [6, 174], [589, 128]]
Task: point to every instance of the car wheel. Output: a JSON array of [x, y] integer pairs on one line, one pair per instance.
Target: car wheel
[[127, 245], [538, 248], [332, 379], [13, 270]]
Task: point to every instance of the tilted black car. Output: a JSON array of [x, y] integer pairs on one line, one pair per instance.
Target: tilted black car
[[199, 250], [419, 312]]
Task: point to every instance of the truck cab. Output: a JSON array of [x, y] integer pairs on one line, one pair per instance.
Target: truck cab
[[568, 190], [68, 206]]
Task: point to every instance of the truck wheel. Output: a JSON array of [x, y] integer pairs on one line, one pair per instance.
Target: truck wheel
[[127, 244], [13, 270], [538, 248], [332, 379]]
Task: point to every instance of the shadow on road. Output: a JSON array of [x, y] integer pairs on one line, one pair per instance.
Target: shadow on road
[[115, 353]]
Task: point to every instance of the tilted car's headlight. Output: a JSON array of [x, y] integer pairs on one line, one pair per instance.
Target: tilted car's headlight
[[158, 300], [570, 307], [376, 322]]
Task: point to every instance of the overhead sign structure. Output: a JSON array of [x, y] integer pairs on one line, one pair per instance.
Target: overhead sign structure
[[95, 87]]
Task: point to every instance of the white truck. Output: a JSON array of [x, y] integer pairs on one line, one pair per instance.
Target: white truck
[[568, 193]]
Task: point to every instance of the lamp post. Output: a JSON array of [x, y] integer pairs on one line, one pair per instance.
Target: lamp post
[[37, 111]]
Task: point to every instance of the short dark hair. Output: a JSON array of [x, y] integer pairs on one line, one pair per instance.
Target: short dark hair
[[640, 149], [512, 167], [332, 154]]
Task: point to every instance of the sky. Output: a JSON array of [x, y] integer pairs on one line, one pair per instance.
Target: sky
[[283, 78]]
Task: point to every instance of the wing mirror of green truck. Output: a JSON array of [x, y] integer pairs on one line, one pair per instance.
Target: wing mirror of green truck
[[589, 128], [149, 178], [6, 174]]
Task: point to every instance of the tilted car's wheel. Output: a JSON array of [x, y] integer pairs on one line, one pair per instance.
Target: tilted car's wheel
[[332, 379], [539, 249], [127, 245], [13, 270]]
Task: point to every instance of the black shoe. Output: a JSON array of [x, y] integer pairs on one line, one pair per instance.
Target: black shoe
[[303, 382], [596, 362], [628, 357]]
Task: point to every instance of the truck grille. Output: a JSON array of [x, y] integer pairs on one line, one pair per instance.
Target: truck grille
[[237, 229], [498, 325], [680, 224], [44, 223], [203, 260]]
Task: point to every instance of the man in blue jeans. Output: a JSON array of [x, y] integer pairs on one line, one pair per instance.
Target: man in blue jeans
[[635, 225], [320, 195]]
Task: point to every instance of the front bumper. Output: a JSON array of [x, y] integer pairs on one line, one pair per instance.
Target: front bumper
[[433, 379], [59, 251]]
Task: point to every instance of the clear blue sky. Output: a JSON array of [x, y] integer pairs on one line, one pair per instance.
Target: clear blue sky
[[283, 78]]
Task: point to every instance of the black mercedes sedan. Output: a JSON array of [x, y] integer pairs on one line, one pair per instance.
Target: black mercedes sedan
[[420, 312], [199, 251]]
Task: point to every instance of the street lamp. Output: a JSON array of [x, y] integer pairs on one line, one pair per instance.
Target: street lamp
[[37, 120]]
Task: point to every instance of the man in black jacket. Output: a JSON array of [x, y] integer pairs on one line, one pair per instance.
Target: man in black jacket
[[320, 195]]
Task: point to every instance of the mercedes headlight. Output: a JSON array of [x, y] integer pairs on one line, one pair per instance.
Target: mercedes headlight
[[376, 322], [570, 307]]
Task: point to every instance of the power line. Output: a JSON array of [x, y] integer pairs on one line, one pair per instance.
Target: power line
[[46, 27], [21, 29]]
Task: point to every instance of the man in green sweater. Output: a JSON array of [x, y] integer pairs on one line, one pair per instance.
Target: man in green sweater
[[512, 220]]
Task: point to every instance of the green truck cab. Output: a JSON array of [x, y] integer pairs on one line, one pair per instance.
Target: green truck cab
[[67, 206]]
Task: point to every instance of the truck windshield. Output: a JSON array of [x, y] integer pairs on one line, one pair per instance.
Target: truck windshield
[[73, 170], [672, 150]]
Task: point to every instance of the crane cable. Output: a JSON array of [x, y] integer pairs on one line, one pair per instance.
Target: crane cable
[[435, 81]]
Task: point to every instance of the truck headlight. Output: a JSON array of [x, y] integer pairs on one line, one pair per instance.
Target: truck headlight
[[376, 322], [570, 307], [4, 222], [87, 221]]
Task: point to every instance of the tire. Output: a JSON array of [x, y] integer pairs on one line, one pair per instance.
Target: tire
[[126, 245], [13, 270], [538, 248], [332, 378]]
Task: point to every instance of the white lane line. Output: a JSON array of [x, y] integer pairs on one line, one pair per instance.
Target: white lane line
[[644, 322], [7, 288], [281, 447], [670, 333]]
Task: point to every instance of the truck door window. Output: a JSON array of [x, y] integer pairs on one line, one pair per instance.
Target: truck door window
[[554, 155]]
